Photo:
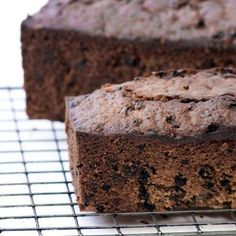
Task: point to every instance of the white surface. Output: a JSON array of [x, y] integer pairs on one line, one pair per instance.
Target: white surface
[[12, 12]]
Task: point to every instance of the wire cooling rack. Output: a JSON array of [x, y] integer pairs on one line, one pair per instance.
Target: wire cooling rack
[[36, 194]]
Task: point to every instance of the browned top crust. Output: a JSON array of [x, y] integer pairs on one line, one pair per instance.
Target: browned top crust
[[142, 19], [174, 104]]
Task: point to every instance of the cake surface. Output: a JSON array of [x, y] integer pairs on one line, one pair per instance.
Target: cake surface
[[73, 47], [150, 19], [181, 105], [164, 142]]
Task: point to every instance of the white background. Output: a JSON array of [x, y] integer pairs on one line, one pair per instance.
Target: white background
[[12, 13]]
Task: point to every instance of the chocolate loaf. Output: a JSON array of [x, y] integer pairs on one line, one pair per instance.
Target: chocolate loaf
[[72, 47], [165, 142]]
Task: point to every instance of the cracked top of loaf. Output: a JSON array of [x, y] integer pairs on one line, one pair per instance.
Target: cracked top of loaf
[[173, 104], [141, 19]]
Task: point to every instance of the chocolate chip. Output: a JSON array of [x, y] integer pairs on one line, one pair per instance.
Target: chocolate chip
[[233, 35], [219, 35], [171, 121], [46, 38], [149, 206], [180, 180], [184, 162], [201, 23], [187, 100], [141, 147], [226, 71], [209, 185], [121, 150], [225, 181], [209, 63], [87, 200], [131, 61], [212, 128], [233, 167], [161, 74], [228, 62], [144, 175], [72, 104], [207, 172], [81, 64], [174, 198], [191, 108], [186, 87], [227, 204], [106, 187], [137, 105], [137, 122], [232, 106], [176, 73], [129, 108], [80, 165], [143, 193], [100, 208]]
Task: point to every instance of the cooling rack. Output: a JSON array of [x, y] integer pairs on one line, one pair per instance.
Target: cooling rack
[[36, 193]]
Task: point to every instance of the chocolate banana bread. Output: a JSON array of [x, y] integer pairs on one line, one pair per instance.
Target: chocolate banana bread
[[164, 142], [72, 47]]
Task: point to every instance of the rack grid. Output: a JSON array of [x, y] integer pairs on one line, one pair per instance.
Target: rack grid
[[37, 197]]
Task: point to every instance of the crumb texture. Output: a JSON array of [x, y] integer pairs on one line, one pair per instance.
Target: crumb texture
[[173, 104], [126, 143], [136, 173], [166, 19], [202, 86]]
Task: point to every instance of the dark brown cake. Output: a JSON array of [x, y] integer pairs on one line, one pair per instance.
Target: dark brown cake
[[72, 47], [165, 142]]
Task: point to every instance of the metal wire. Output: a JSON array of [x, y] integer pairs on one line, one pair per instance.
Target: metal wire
[[37, 197]]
